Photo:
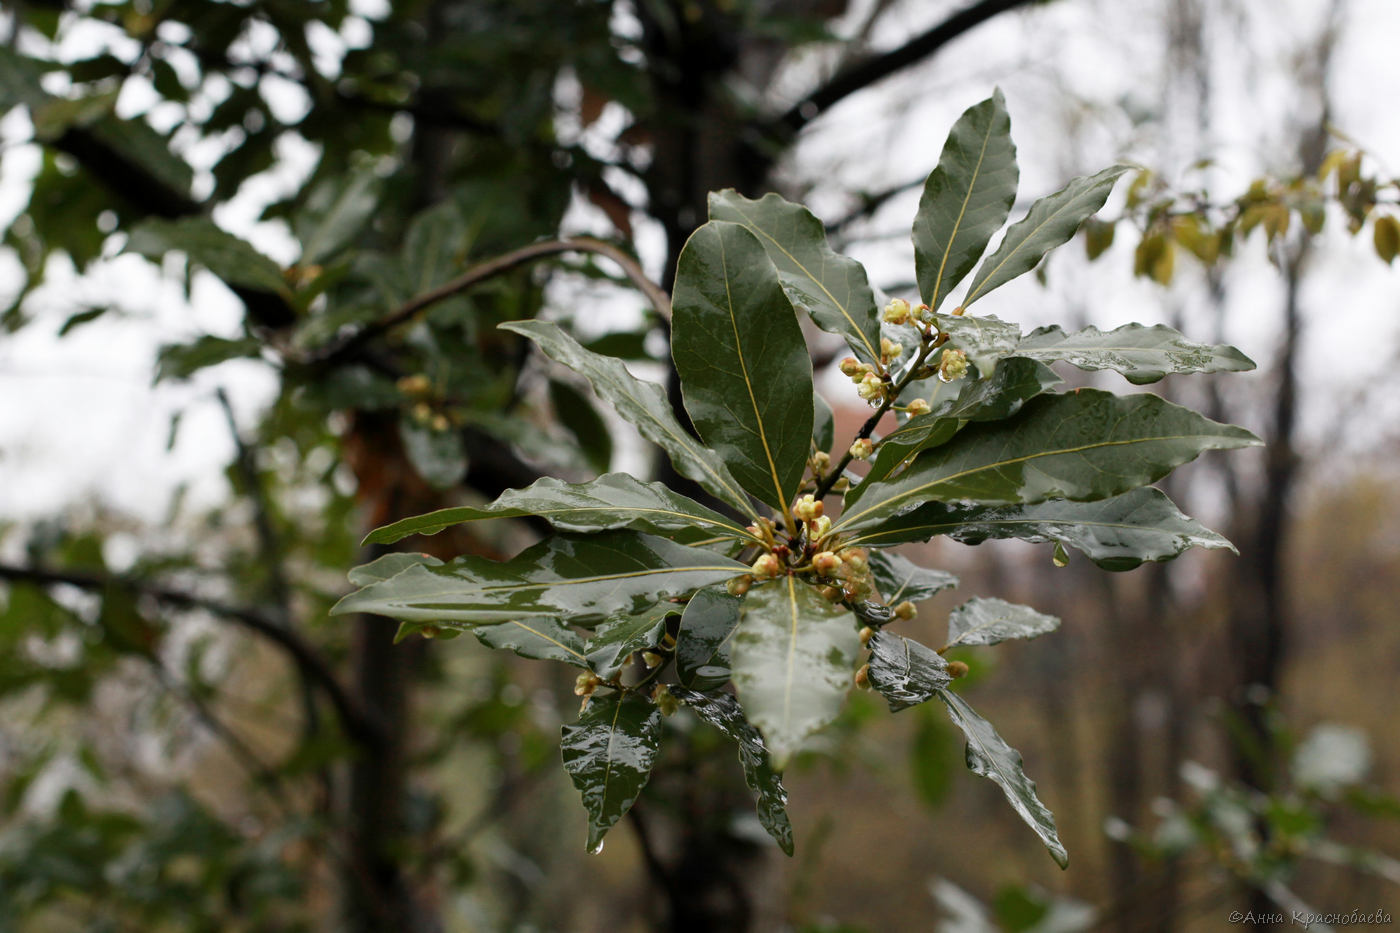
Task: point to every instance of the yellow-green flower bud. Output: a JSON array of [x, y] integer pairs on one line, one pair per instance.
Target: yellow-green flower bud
[[585, 684], [826, 563], [870, 387], [833, 593], [766, 567], [651, 659], [807, 508], [957, 669], [820, 526], [857, 559], [866, 634], [917, 407], [415, 385], [665, 700], [896, 312], [852, 367], [905, 610], [739, 585], [863, 677], [952, 365], [862, 448], [889, 349]]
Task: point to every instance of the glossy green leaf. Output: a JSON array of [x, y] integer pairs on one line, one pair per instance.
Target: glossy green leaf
[[643, 404], [702, 644], [627, 634], [231, 259], [989, 756], [966, 199], [543, 638], [981, 621], [898, 578], [1118, 533], [905, 672], [745, 372], [1011, 384], [440, 457], [612, 501], [583, 579], [723, 711], [1050, 222], [608, 754], [792, 658], [984, 340], [830, 287], [389, 565], [1082, 445], [1142, 354], [577, 415]]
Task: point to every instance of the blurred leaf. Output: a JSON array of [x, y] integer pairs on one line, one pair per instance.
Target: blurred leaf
[[230, 259], [183, 360], [580, 419], [439, 456], [335, 211]]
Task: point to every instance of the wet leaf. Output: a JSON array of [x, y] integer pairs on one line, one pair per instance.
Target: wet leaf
[[898, 578], [1142, 354], [702, 645], [966, 199], [543, 638], [792, 658], [982, 621], [745, 372], [905, 672], [608, 754], [723, 711]]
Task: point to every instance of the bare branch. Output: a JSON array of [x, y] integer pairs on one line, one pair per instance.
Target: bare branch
[[490, 269], [871, 70]]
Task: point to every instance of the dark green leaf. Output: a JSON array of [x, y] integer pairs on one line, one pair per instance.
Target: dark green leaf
[[989, 756], [584, 579], [229, 258], [724, 713], [435, 246], [80, 318], [336, 210], [745, 372], [991, 621], [643, 404], [180, 361], [1083, 445], [1117, 533], [984, 340], [823, 425], [966, 199], [1012, 382], [792, 657], [1050, 222], [905, 672], [612, 501], [440, 457], [579, 418], [542, 638], [136, 143], [898, 578], [389, 565], [1142, 354], [830, 287], [608, 754], [626, 634], [702, 645]]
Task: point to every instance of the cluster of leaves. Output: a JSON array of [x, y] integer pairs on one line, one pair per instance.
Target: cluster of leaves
[[1172, 220], [782, 604]]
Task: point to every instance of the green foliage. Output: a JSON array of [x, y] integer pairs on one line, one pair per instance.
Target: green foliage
[[999, 455]]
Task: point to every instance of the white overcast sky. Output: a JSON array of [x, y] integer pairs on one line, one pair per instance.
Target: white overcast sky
[[82, 422]]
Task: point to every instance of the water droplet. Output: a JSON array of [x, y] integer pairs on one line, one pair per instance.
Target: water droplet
[[596, 850], [1061, 556]]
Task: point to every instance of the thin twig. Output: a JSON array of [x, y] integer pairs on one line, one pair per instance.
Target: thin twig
[[487, 270]]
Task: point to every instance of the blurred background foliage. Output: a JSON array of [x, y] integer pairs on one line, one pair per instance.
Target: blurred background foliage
[[187, 742]]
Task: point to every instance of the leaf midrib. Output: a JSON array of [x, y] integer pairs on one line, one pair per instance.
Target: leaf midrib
[[957, 224]]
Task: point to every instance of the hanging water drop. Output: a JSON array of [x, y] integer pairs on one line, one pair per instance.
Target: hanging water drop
[[596, 850]]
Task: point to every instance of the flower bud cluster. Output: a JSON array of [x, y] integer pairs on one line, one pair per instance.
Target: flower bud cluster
[[952, 365], [862, 448], [917, 407], [871, 384], [890, 351], [807, 508]]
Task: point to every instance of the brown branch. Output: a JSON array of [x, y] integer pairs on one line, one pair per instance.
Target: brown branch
[[359, 725], [864, 73], [490, 269]]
